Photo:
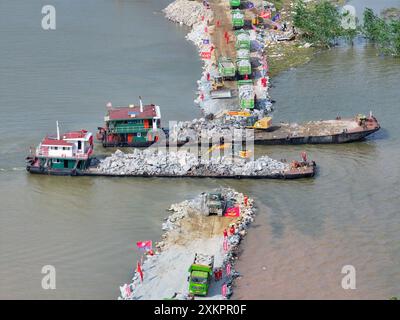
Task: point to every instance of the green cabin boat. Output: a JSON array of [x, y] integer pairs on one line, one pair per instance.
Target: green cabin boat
[[132, 126], [67, 154]]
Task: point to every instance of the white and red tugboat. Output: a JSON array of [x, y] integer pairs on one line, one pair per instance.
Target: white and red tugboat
[[67, 154]]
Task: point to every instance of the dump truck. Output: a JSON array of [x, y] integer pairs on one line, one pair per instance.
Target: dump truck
[[243, 54], [243, 67], [246, 94], [235, 4], [200, 274], [226, 68], [237, 19], [242, 39], [215, 203]]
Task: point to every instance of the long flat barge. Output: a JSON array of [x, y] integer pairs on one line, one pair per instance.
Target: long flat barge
[[298, 173], [318, 132], [305, 171]]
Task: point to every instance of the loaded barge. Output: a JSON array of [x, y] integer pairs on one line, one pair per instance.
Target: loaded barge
[[318, 132], [304, 170], [71, 154]]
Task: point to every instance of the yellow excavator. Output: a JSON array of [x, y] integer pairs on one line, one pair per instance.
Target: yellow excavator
[[263, 123], [217, 83]]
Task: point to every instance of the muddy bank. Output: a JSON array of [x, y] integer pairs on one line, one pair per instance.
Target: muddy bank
[[190, 230]]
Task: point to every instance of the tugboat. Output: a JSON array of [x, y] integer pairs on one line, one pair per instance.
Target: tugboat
[[132, 126], [66, 155]]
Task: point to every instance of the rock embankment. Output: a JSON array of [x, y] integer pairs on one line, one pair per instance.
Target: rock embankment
[[153, 162], [187, 12], [190, 230]]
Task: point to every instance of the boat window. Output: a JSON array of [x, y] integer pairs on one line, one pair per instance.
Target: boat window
[[79, 145], [56, 161]]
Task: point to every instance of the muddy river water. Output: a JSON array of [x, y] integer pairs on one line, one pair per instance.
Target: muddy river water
[[305, 232]]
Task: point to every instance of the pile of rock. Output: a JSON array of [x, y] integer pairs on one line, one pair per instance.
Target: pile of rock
[[187, 12], [153, 162]]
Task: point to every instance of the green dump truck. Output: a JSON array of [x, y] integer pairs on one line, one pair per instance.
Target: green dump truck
[[243, 54], [242, 39], [226, 68], [200, 274], [234, 4], [246, 94], [243, 67], [237, 19]]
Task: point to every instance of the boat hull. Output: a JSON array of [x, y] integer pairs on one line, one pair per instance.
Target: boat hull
[[328, 139], [307, 172], [54, 172]]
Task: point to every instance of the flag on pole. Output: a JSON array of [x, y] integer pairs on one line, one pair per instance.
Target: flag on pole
[[232, 212], [139, 270], [225, 244], [144, 245], [228, 269], [276, 17], [224, 289]]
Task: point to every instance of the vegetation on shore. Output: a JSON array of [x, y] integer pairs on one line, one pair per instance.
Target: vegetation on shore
[[322, 23], [385, 33]]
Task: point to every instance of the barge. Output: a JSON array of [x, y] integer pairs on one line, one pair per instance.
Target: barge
[[132, 126], [318, 132], [63, 155], [306, 170]]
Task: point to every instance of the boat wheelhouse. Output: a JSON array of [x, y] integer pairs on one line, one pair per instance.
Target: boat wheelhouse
[[62, 155], [132, 126]]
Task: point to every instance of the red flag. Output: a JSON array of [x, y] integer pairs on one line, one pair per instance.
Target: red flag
[[140, 271], [228, 269], [232, 212], [205, 55], [224, 290], [144, 245], [225, 244]]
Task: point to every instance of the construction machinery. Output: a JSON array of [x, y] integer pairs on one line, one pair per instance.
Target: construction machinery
[[237, 19], [200, 274], [242, 39], [264, 123], [215, 203], [217, 83], [235, 4], [226, 68], [243, 54], [246, 94], [244, 67]]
